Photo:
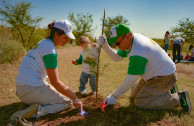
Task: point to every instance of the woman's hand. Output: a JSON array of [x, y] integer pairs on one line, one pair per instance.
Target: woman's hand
[[77, 103]]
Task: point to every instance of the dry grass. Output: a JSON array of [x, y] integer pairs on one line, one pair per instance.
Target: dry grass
[[7, 83], [112, 76], [186, 69]]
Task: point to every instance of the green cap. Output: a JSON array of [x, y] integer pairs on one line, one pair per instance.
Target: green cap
[[116, 31]]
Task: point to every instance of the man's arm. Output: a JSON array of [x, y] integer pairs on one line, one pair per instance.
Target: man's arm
[[125, 86], [109, 51], [182, 44], [172, 44]]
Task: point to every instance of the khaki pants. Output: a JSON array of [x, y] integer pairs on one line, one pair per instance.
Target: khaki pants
[[46, 96], [155, 93]]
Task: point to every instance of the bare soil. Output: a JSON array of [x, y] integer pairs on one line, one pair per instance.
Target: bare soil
[[72, 115], [113, 115]]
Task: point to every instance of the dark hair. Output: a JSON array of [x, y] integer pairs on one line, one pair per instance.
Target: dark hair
[[166, 32], [190, 47], [53, 30]]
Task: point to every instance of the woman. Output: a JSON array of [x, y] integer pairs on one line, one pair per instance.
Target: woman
[[39, 62], [167, 40], [192, 53]]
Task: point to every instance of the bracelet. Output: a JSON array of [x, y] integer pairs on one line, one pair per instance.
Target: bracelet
[[114, 96]]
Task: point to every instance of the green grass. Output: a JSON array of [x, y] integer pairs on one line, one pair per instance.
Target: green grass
[[161, 43], [110, 79]]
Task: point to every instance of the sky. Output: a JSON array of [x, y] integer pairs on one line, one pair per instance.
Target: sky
[[152, 18]]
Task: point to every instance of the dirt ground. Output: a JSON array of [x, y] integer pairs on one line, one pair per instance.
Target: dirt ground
[[72, 115], [113, 115]]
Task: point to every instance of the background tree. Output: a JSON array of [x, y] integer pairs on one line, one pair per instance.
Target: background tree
[[111, 21], [83, 25], [185, 29], [18, 17]]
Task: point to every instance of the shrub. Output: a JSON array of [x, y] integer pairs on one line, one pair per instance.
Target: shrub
[[11, 51], [160, 42], [37, 36]]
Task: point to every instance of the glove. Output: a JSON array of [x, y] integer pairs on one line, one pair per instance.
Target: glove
[[101, 40], [110, 100]]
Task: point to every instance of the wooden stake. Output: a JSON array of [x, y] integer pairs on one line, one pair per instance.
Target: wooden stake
[[97, 75]]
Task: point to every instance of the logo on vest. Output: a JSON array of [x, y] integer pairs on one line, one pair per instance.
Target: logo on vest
[[110, 33]]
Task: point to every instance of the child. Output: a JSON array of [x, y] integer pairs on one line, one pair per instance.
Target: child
[[89, 53], [187, 57], [192, 53]]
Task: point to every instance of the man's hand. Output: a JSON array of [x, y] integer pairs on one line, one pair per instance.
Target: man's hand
[[110, 100], [101, 40], [74, 62]]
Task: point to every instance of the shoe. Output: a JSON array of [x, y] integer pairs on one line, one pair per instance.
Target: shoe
[[185, 101], [20, 121], [174, 89], [93, 92], [83, 92], [26, 113]]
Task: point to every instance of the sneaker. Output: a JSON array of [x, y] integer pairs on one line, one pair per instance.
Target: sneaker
[[83, 92], [20, 121], [26, 113], [93, 92], [185, 101], [174, 89]]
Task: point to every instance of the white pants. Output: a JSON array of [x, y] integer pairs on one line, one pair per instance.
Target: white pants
[[46, 96]]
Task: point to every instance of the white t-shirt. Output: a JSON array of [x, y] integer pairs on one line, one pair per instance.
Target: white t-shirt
[[32, 70], [192, 52], [178, 40], [91, 52], [167, 39], [147, 58]]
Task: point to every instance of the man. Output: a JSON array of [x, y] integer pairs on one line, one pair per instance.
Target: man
[[176, 44], [151, 63]]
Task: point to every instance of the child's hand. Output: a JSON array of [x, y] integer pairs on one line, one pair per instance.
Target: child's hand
[[94, 44], [74, 62]]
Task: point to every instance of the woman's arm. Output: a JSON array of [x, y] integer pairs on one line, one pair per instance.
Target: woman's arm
[[60, 87], [191, 54], [165, 38]]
